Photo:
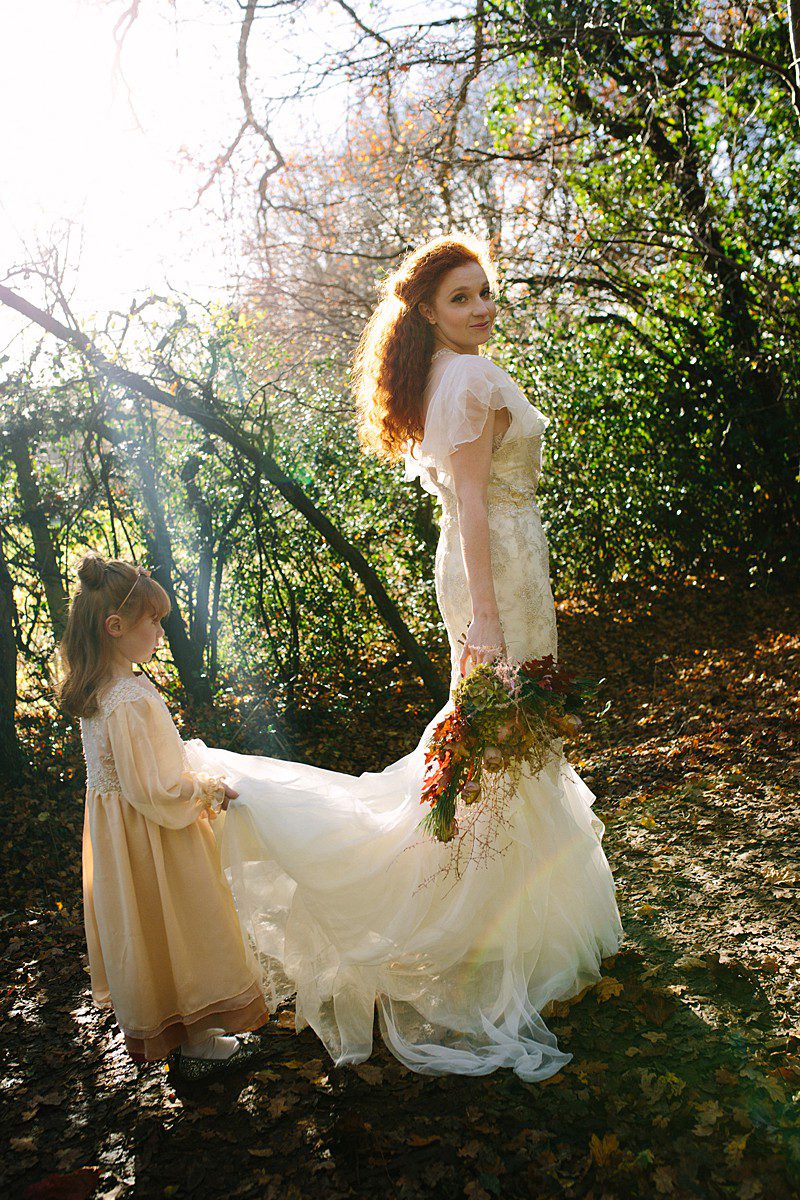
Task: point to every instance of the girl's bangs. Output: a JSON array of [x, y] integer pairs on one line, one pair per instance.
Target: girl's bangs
[[152, 599]]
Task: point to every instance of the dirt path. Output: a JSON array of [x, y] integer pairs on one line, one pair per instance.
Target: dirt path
[[685, 1078]]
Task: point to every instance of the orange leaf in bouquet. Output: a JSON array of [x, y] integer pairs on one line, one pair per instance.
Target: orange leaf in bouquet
[[437, 778]]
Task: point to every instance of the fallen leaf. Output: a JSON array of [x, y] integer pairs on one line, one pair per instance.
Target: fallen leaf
[[280, 1105], [735, 1148], [475, 1192], [369, 1074], [602, 1150], [664, 1181], [77, 1185], [607, 987], [709, 1114], [23, 1145], [470, 1149]]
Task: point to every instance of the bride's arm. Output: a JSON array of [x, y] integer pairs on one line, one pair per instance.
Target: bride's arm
[[471, 463]]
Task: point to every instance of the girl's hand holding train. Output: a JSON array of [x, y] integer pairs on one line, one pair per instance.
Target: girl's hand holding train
[[230, 794]]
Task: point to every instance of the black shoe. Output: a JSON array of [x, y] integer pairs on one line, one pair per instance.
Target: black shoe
[[193, 1070]]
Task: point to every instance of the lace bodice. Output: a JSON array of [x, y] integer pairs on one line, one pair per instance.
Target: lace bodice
[[101, 773], [461, 392]]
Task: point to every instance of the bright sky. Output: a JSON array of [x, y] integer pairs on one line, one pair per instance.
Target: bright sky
[[78, 145]]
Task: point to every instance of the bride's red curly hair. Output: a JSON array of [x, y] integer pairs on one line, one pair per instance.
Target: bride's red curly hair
[[393, 357]]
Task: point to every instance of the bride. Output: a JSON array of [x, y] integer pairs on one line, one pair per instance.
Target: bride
[[346, 903]]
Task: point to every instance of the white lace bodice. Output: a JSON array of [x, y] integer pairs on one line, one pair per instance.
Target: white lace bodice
[[519, 550], [101, 774]]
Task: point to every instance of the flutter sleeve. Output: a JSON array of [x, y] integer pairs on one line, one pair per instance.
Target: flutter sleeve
[[469, 389], [152, 768]]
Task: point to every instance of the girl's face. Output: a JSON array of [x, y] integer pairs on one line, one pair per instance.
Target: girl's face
[[135, 643], [463, 310]]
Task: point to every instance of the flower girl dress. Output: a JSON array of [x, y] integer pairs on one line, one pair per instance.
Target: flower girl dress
[[348, 905]]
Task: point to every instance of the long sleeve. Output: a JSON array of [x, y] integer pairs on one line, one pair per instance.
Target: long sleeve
[[151, 765]]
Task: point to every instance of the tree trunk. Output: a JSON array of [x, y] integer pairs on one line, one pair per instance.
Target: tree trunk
[[44, 551], [198, 623], [187, 654], [11, 758]]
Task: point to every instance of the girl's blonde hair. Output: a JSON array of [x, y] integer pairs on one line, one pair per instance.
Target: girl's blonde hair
[[393, 357], [105, 586]]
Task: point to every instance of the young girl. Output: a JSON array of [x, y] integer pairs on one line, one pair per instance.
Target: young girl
[[164, 943]]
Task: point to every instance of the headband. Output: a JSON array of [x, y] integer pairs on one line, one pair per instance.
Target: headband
[[140, 571]]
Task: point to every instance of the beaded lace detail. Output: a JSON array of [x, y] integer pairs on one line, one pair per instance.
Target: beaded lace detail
[[101, 774]]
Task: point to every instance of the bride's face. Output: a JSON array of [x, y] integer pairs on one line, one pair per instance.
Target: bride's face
[[463, 309]]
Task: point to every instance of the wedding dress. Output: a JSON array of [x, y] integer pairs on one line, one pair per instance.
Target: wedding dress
[[348, 905]]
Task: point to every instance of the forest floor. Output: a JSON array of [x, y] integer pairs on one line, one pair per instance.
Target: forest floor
[[685, 1077]]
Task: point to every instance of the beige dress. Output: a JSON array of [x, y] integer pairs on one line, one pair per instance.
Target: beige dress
[[165, 948]]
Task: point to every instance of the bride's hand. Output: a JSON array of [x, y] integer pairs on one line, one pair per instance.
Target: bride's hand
[[484, 643]]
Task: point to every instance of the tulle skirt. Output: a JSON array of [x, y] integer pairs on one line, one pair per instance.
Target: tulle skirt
[[347, 904]]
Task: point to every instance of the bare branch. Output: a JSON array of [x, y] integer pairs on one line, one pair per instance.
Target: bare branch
[[250, 118]]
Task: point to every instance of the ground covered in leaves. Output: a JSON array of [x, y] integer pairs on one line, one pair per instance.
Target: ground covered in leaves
[[685, 1079]]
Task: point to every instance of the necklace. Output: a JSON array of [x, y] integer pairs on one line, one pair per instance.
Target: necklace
[[444, 349]]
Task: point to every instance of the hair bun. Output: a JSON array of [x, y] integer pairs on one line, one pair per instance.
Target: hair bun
[[92, 570]]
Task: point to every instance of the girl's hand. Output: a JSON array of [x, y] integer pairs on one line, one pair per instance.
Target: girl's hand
[[483, 633], [230, 794]]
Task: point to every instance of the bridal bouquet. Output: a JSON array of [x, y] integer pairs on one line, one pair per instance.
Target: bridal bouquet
[[504, 715]]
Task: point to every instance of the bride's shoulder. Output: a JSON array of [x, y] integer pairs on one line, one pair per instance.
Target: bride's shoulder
[[462, 370]]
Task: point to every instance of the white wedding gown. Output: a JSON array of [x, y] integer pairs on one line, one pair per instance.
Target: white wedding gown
[[336, 887]]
